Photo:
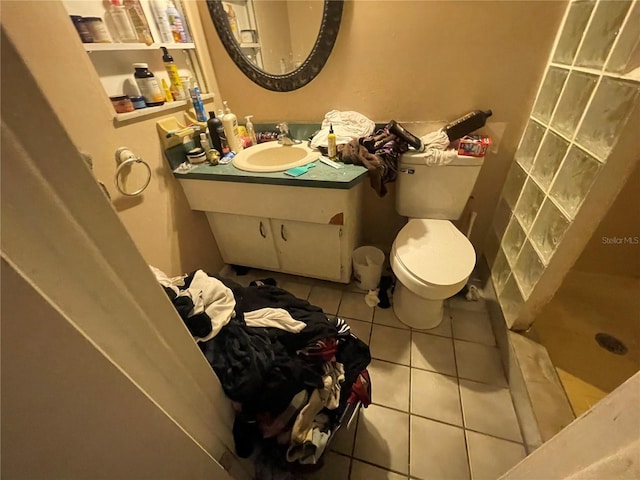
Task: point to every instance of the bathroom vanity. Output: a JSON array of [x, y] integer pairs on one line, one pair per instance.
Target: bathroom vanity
[[306, 225]]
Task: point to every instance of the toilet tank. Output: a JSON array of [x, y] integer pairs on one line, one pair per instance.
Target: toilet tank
[[438, 191]]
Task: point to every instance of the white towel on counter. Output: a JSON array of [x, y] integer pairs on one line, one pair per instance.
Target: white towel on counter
[[273, 317], [346, 126]]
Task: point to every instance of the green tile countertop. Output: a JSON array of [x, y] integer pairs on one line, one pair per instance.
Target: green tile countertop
[[321, 176]]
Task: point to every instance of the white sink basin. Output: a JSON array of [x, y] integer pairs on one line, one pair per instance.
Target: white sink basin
[[274, 157]]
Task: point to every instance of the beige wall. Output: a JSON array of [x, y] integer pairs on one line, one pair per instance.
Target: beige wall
[[622, 221], [305, 17], [275, 38], [168, 233], [418, 61]]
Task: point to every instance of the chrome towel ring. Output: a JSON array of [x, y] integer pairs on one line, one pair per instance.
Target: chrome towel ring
[[124, 156]]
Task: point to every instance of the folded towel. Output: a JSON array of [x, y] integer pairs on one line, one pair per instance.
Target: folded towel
[[346, 126]]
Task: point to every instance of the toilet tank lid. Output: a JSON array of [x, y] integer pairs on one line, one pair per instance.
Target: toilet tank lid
[[418, 158], [435, 251]]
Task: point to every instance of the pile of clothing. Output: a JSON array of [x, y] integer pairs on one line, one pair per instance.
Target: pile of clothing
[[290, 370]]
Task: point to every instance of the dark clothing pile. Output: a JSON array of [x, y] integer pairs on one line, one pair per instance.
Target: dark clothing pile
[[379, 153], [289, 389]]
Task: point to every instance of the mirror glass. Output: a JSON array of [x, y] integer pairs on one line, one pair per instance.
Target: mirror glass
[[278, 44], [275, 36]]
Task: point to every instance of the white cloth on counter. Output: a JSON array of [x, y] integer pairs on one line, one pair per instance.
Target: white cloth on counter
[[346, 126], [163, 279], [212, 296], [273, 317]]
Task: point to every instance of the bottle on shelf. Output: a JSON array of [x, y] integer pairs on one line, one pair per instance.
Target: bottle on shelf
[[122, 23], [216, 134], [176, 22], [230, 123], [177, 89], [196, 99], [159, 8], [168, 96], [139, 21], [233, 22], [148, 85], [467, 124]]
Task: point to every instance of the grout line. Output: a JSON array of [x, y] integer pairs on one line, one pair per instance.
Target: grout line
[[368, 462], [410, 403], [464, 423]]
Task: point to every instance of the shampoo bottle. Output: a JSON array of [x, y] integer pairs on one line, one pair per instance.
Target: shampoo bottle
[[216, 134], [177, 90], [251, 133], [159, 8], [196, 99], [230, 124], [467, 124], [331, 144]]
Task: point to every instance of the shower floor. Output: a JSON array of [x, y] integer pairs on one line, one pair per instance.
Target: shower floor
[[585, 305]]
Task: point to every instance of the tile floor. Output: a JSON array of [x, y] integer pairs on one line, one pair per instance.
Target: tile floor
[[441, 405]]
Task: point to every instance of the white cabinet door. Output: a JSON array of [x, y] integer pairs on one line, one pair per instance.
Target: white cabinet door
[[308, 249], [244, 240]]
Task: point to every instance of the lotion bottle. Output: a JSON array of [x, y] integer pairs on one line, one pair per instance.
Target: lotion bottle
[[251, 133], [331, 144], [230, 124]]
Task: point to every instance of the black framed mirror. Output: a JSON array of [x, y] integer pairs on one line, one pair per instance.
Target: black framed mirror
[[244, 48]]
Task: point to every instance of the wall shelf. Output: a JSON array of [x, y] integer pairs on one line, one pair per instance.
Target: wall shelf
[[249, 45], [117, 47], [121, 118]]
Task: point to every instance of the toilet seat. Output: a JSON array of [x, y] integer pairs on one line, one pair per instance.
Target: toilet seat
[[432, 254]]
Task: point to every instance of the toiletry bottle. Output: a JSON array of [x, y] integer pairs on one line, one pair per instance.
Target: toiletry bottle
[[216, 134], [467, 124], [122, 22], [167, 91], [204, 144], [139, 21], [250, 131], [196, 99], [177, 90], [331, 144], [159, 8], [148, 85], [176, 22], [233, 22], [230, 123], [399, 131]]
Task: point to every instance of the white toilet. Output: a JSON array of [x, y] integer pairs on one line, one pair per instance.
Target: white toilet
[[430, 257]]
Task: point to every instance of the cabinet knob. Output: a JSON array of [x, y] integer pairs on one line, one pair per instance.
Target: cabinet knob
[[264, 235], [282, 232]]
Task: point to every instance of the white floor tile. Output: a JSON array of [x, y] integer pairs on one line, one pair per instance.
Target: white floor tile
[[490, 457], [299, 289], [385, 316], [444, 329], [431, 352], [353, 306], [391, 344], [360, 329], [391, 384], [438, 451], [327, 298], [479, 362], [489, 409], [435, 396], [345, 438], [383, 438], [472, 326], [462, 303], [364, 471], [335, 467]]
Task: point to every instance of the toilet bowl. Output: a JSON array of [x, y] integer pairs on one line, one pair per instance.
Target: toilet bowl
[[432, 261]]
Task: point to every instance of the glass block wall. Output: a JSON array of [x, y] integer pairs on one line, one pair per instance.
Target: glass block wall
[[586, 96]]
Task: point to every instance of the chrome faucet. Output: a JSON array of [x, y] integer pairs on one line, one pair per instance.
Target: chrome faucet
[[284, 137]]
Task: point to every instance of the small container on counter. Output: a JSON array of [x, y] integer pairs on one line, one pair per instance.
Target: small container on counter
[[82, 28], [122, 104], [98, 29], [138, 102], [196, 156]]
